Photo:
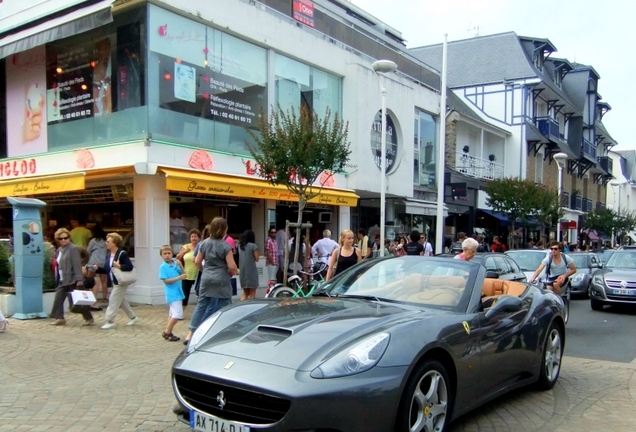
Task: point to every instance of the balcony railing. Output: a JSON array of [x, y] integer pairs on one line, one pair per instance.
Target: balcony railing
[[473, 166], [600, 205], [565, 199], [606, 163], [588, 149], [588, 205], [576, 202], [549, 128]]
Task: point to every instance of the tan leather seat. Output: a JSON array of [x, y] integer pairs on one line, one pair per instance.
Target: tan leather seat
[[497, 287], [443, 297]]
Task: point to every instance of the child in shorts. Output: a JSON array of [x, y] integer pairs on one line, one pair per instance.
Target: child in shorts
[[171, 273]]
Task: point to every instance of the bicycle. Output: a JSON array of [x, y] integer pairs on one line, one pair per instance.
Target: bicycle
[[565, 295], [299, 287]]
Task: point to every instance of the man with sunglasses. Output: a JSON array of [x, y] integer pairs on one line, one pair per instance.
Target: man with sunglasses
[[271, 254], [559, 267]]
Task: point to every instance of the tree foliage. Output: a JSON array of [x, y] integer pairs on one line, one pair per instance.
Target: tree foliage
[[607, 222], [300, 151], [523, 200]]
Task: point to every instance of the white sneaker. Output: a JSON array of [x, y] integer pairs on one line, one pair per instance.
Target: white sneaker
[[108, 326], [133, 321]]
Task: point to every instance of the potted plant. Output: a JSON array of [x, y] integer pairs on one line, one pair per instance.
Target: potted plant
[[492, 158], [466, 149]]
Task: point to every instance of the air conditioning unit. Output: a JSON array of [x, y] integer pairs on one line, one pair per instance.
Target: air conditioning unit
[[324, 217]]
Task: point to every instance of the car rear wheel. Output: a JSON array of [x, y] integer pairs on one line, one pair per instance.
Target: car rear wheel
[[596, 305], [427, 400], [282, 292], [551, 361]]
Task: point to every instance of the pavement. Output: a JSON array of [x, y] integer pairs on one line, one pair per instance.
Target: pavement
[[75, 378]]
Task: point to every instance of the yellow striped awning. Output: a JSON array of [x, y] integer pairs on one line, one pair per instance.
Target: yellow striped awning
[[42, 185]]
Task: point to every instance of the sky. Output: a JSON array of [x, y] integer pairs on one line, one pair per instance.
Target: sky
[[600, 34]]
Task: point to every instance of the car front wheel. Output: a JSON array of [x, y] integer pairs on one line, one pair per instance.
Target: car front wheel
[[596, 305], [551, 361], [427, 400]]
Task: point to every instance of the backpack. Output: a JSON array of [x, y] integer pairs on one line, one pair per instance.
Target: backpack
[[547, 269]]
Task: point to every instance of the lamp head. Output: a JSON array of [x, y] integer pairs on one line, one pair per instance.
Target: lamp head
[[560, 158], [384, 66]]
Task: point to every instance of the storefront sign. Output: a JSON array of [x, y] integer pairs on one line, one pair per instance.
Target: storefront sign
[[303, 11], [42, 185], [17, 168], [391, 141]]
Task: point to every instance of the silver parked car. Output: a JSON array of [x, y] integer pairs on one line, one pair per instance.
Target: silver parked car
[[529, 260], [587, 264], [616, 282]]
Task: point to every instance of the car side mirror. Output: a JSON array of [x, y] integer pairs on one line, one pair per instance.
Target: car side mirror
[[490, 274], [505, 304], [600, 265]]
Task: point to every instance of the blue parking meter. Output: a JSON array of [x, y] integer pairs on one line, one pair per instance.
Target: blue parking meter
[[28, 257]]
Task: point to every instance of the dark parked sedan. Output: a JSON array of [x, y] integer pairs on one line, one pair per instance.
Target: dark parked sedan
[[616, 282], [587, 264], [410, 342], [502, 264]]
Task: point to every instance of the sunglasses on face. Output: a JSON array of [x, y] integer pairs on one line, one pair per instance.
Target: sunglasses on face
[[62, 238], [554, 248]]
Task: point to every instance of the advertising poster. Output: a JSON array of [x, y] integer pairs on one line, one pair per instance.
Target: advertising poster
[[26, 103], [79, 81]]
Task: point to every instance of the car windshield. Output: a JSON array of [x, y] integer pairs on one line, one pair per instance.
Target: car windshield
[[526, 260], [438, 283], [605, 255], [580, 261], [622, 260]]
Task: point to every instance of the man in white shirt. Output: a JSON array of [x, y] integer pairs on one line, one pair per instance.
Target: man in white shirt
[[428, 248], [323, 248]]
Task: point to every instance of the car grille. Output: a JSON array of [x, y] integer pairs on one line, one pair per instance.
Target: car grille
[[242, 406], [616, 284]]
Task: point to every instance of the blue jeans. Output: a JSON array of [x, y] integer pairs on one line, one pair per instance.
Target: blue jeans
[[206, 306]]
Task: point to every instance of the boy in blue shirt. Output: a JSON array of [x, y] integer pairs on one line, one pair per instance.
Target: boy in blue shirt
[[171, 273]]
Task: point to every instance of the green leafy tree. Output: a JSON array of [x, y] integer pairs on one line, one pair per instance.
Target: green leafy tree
[[513, 197], [624, 223], [547, 209], [300, 151], [603, 221]]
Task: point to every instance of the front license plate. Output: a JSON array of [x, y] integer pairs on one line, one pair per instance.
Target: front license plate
[[624, 292], [208, 423]]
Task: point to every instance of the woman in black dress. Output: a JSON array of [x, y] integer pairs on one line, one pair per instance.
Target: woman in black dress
[[345, 256]]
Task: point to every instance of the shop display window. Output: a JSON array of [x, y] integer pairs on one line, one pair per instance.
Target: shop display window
[[209, 87], [425, 149], [95, 85], [299, 84]]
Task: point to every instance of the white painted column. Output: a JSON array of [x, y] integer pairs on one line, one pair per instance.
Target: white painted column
[[152, 230], [344, 221]]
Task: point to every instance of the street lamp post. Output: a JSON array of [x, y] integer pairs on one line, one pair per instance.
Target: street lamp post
[[560, 159], [383, 66]]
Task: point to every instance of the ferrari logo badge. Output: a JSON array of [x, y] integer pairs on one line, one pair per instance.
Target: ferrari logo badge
[[221, 399], [466, 327], [426, 410], [229, 365]]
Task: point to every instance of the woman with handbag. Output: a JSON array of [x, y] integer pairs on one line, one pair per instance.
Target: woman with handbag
[[121, 273]]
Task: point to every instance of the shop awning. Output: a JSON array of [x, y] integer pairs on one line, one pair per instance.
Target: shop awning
[[219, 184], [592, 234], [502, 217], [632, 235], [42, 185], [422, 207], [75, 22]]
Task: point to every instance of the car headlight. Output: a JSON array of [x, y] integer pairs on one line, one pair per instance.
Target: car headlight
[[578, 277], [598, 280], [201, 331], [354, 359]]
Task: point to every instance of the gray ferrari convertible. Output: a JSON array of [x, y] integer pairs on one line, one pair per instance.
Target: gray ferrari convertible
[[392, 344]]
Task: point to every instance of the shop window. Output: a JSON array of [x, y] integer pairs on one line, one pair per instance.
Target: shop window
[[95, 85], [425, 149], [207, 86], [298, 84]]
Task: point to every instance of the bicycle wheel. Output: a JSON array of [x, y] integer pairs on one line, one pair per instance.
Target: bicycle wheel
[[282, 292]]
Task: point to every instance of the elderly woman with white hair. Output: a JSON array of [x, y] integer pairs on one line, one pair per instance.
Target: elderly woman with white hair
[[469, 248]]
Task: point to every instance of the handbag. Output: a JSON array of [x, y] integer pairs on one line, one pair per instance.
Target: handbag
[[124, 278], [80, 300]]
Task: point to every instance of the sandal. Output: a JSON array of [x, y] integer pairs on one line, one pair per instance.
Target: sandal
[[170, 337], [3, 326]]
